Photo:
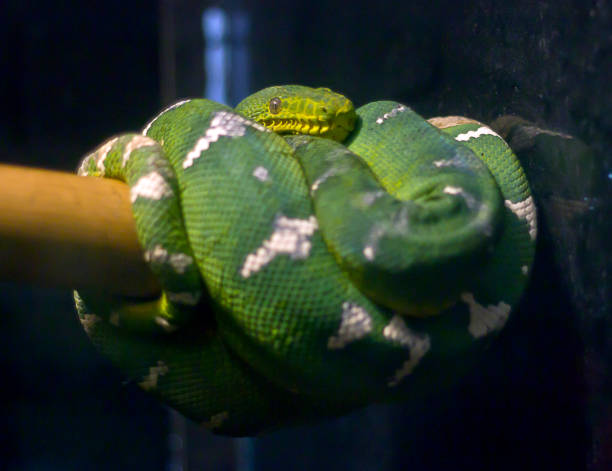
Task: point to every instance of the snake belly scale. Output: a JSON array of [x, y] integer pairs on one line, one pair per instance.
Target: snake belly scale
[[349, 257]]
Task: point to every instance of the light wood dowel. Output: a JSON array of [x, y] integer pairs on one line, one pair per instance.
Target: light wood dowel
[[61, 230], [58, 229]]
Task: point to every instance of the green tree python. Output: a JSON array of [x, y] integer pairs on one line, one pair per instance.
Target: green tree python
[[314, 258]]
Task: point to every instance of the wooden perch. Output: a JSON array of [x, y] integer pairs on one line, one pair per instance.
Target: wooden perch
[[61, 230]]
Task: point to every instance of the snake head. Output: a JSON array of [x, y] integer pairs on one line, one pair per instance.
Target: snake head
[[296, 109]]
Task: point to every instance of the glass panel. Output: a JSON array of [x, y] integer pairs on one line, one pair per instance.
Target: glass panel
[[537, 73]]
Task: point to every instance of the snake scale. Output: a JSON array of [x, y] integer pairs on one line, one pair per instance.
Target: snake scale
[[314, 258]]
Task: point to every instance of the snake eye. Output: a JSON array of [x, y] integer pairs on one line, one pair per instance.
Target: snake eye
[[275, 105]]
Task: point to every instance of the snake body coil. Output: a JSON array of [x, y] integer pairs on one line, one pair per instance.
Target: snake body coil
[[339, 274]]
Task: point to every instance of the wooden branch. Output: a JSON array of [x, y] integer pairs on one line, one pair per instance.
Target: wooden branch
[[61, 230]]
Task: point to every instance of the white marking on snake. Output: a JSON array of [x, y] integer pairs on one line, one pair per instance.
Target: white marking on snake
[[525, 210], [391, 114], [224, 123], [456, 190], [481, 131], [136, 143], [261, 173], [157, 254], [164, 324], [188, 298], [369, 251], [216, 420], [150, 186], [82, 171], [484, 319], [328, 173], [150, 380], [443, 163], [165, 110], [102, 152], [356, 323], [452, 190], [89, 321], [525, 269], [369, 198], [290, 237], [178, 261], [397, 332]]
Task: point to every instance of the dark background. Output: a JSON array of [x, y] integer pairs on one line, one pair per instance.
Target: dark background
[[73, 73]]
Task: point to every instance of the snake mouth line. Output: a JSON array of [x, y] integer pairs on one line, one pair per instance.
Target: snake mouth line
[[297, 126], [336, 130]]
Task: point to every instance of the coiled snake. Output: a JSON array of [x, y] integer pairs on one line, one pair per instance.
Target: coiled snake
[[338, 274]]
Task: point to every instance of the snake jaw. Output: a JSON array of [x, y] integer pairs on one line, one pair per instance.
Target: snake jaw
[[343, 124], [336, 130]]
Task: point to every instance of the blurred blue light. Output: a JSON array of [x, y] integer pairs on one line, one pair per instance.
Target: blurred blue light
[[214, 26]]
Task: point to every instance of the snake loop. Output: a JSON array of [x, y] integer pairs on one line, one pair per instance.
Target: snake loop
[[340, 274]]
